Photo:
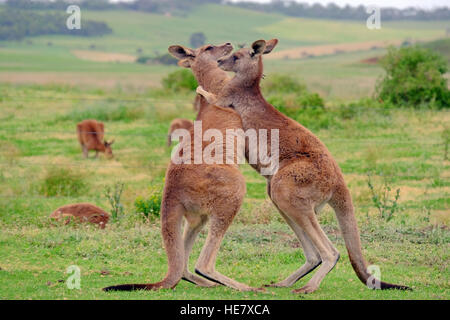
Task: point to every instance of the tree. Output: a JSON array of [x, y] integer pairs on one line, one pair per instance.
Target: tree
[[197, 39]]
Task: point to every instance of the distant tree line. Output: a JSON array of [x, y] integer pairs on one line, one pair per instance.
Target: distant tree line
[[59, 4], [17, 24], [333, 11], [286, 7], [154, 6]]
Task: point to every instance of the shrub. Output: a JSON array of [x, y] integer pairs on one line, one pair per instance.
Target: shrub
[[284, 91], [365, 106], [414, 77], [151, 206], [113, 195], [180, 80], [197, 39], [292, 98], [310, 100], [381, 200], [63, 182], [143, 59], [281, 83]]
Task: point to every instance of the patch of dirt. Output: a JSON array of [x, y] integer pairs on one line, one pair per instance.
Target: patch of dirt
[[321, 50], [373, 60], [99, 56], [96, 80], [439, 217], [431, 228]]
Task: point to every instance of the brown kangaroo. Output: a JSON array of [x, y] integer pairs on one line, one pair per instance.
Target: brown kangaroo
[[82, 212], [308, 177], [90, 135], [199, 192], [177, 124]]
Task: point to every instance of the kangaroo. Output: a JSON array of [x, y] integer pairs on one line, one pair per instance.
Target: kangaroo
[[82, 212], [90, 135], [307, 178], [199, 192], [177, 124]]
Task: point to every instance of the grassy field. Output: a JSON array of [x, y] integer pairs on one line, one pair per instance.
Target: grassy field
[[45, 90], [38, 134], [52, 59]]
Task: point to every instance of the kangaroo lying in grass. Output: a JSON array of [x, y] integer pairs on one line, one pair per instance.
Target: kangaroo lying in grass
[[199, 192], [81, 212], [308, 177], [177, 124]]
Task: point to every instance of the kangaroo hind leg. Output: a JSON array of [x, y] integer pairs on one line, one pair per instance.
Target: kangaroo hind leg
[[207, 260], [312, 256], [302, 214], [193, 226]]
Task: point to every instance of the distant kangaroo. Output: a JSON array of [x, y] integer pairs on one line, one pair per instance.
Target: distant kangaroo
[[308, 177], [90, 135], [199, 191], [178, 124]]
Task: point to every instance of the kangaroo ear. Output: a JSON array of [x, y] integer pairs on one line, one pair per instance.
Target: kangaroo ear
[[270, 45], [185, 63], [112, 141], [258, 47], [181, 52]]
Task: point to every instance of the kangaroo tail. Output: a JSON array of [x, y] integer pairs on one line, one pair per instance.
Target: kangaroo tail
[[171, 220], [341, 202]]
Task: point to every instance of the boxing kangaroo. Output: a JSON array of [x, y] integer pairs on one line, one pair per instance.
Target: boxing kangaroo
[[199, 192], [307, 177]]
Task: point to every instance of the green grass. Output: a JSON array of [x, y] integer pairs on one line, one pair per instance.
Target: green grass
[[405, 145]]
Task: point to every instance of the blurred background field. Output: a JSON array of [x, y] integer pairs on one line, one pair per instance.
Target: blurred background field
[[48, 83]]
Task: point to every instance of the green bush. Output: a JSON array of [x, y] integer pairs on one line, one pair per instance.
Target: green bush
[[292, 98], [151, 206], [414, 77], [113, 195], [310, 100], [363, 107], [180, 80], [63, 182], [281, 83]]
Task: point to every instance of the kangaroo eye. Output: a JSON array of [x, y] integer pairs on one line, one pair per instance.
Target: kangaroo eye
[[209, 48]]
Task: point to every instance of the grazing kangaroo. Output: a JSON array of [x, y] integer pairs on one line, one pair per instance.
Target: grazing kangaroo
[[308, 177], [90, 135], [177, 124], [199, 192], [82, 212]]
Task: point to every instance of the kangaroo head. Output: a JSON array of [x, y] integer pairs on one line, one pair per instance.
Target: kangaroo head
[[246, 62], [108, 150], [207, 54]]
